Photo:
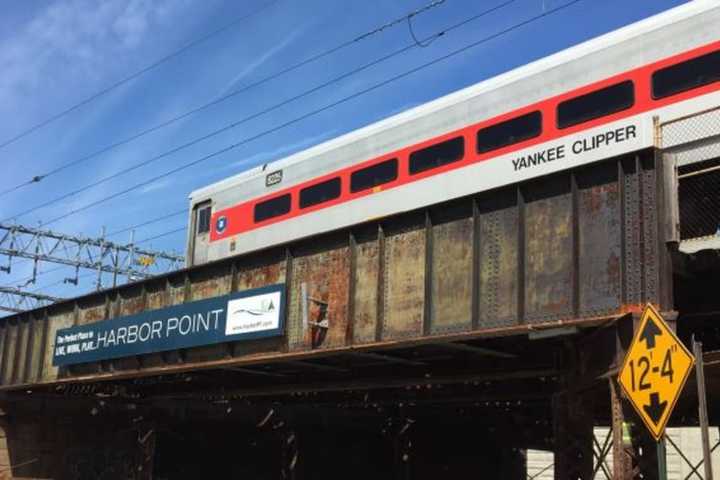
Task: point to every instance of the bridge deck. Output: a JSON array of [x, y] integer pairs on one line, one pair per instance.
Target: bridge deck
[[579, 248]]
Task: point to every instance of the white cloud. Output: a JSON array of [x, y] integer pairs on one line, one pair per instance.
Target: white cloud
[[249, 68], [63, 53], [74, 42], [132, 23]]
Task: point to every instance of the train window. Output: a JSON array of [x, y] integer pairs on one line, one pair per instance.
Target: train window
[[509, 132], [374, 175], [437, 155], [203, 220], [272, 208], [320, 192], [686, 75], [599, 103]]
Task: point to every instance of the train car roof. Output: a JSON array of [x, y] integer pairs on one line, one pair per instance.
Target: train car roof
[[607, 40]]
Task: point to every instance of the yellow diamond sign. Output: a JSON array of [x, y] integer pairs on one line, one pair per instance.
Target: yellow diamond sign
[[655, 370]]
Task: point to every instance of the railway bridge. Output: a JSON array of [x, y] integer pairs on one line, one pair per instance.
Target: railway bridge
[[440, 342]]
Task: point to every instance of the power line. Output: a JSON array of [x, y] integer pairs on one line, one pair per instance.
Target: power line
[[255, 115], [130, 77], [313, 112], [25, 281], [148, 222], [161, 235], [172, 120], [357, 94]]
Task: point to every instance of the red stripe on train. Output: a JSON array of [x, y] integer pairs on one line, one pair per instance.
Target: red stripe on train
[[240, 217]]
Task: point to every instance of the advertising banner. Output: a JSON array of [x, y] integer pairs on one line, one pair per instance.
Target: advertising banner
[[246, 315]]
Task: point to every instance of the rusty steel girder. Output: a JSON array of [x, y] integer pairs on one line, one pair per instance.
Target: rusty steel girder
[[563, 250]]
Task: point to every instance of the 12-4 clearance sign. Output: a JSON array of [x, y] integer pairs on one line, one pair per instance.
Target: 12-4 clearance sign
[[250, 314], [655, 370]]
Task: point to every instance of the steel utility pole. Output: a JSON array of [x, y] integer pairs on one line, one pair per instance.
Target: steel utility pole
[[98, 254], [123, 262], [702, 408], [16, 301]]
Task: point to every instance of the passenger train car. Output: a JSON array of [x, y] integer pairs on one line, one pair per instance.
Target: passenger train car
[[590, 102]]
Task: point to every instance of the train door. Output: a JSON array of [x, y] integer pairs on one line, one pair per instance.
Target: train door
[[201, 232]]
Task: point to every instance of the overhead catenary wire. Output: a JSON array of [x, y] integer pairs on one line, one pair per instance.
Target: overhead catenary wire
[[345, 99], [312, 113], [255, 115], [129, 78], [223, 98], [162, 235], [148, 222], [414, 37]]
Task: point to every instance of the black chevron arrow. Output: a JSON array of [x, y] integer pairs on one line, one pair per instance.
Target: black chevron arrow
[[649, 333], [656, 408]]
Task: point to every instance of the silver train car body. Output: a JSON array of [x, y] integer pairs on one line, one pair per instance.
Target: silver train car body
[[218, 219]]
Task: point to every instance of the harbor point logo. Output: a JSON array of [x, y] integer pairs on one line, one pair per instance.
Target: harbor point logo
[[253, 314]]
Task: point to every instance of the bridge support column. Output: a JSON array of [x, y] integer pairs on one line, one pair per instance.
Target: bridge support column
[[573, 418], [635, 452], [37, 443]]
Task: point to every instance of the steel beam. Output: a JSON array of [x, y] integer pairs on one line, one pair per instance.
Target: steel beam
[[97, 254], [17, 301], [572, 415]]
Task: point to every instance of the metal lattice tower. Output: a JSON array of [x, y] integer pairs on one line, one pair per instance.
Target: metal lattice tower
[[124, 262], [16, 300]]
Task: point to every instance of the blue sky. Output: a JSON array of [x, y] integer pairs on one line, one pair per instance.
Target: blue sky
[[55, 54]]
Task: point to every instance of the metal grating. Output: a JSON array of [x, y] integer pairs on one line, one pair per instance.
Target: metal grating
[[694, 143], [693, 138]]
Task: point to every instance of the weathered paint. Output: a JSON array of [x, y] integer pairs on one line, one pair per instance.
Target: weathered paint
[[35, 346], [22, 346], [128, 302], [208, 283], [367, 265], [600, 240], [404, 284], [548, 250], [452, 250], [326, 278], [499, 281], [3, 343], [633, 267], [62, 318], [11, 346], [584, 244], [92, 310], [249, 275], [176, 289]]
